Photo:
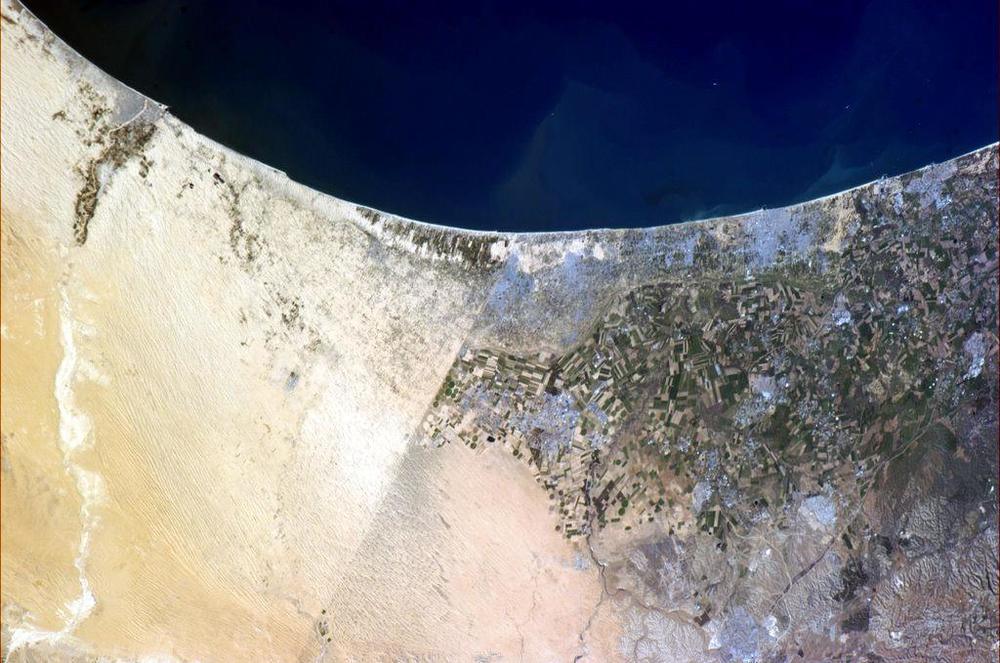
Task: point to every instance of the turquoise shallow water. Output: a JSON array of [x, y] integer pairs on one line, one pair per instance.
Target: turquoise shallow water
[[528, 116]]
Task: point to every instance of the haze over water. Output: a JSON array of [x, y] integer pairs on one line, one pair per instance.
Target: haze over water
[[512, 116]]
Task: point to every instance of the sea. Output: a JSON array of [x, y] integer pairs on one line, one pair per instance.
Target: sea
[[547, 116]]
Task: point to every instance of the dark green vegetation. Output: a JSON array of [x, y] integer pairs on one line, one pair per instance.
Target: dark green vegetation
[[723, 395], [787, 442], [118, 144]]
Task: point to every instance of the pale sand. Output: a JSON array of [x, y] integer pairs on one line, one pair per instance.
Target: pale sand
[[211, 409], [202, 503]]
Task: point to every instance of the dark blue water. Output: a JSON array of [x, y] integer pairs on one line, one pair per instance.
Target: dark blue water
[[533, 116]]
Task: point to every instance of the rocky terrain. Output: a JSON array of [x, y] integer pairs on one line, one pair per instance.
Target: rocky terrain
[[243, 420]]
